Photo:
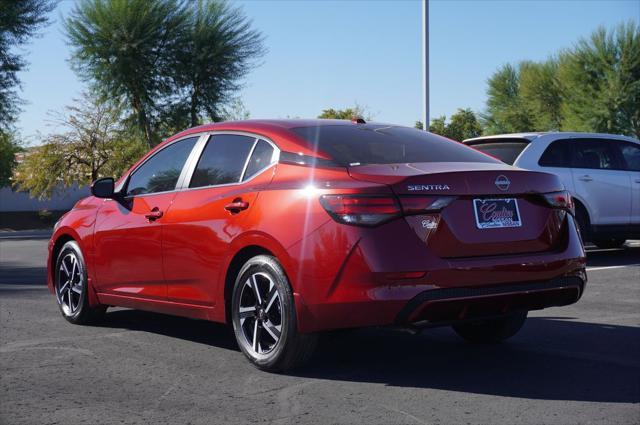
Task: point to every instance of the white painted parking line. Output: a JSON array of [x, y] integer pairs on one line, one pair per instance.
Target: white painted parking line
[[593, 269]]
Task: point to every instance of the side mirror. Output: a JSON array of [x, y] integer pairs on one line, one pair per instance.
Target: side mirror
[[103, 188]]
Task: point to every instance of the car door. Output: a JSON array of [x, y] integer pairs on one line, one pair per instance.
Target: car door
[[631, 156], [128, 231], [207, 216], [556, 159], [599, 179]]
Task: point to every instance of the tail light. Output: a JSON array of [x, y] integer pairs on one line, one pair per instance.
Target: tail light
[[561, 200], [361, 210], [368, 210]]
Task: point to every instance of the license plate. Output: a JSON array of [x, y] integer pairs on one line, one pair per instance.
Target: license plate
[[496, 213]]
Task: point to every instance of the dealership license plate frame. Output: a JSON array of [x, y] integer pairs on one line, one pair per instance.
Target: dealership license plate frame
[[485, 224]]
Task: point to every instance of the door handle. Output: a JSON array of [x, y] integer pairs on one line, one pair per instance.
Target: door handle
[[236, 206], [637, 180], [154, 214], [586, 178]]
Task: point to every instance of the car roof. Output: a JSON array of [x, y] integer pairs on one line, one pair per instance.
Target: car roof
[[556, 134]]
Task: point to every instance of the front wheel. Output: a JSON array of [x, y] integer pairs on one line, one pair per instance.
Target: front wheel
[[264, 317], [492, 331], [71, 287]]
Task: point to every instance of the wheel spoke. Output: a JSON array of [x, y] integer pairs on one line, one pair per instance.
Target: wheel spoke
[[70, 296], [64, 268], [246, 312], [64, 288], [274, 331], [273, 295], [77, 289], [74, 263], [256, 290], [256, 343]]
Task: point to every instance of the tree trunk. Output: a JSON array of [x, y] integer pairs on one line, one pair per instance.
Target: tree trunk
[[194, 110], [143, 122]]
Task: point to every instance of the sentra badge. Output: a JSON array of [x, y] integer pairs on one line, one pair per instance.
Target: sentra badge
[[417, 187]]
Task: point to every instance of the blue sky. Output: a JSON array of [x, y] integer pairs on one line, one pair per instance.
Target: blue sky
[[326, 54]]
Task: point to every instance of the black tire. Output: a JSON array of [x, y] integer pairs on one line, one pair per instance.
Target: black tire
[[583, 222], [492, 331], [609, 243], [262, 315], [71, 287]]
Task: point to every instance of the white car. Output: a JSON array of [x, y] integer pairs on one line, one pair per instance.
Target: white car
[[602, 172]]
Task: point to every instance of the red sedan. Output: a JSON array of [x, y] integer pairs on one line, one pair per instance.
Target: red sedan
[[285, 228]]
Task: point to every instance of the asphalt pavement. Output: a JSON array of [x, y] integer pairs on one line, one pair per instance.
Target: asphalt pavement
[[569, 365]]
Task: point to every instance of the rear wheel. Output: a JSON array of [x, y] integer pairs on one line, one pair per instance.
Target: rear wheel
[[71, 286], [609, 243], [264, 317], [493, 330]]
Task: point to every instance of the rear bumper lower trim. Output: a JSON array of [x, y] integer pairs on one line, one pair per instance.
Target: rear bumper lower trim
[[502, 294]]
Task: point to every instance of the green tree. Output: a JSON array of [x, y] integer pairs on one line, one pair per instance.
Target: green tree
[[356, 111], [601, 82], [19, 21], [541, 93], [439, 126], [174, 62], [219, 48], [127, 49], [463, 125], [506, 110], [94, 144], [8, 149]]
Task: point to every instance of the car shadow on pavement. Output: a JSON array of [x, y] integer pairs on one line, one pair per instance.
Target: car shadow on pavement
[[198, 331], [549, 359]]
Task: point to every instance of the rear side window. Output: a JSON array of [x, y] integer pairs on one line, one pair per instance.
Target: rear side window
[[594, 154], [359, 144], [222, 160], [557, 154], [505, 150], [631, 155], [260, 158], [160, 173]]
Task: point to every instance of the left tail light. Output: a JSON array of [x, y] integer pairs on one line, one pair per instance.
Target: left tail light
[[560, 200], [361, 210]]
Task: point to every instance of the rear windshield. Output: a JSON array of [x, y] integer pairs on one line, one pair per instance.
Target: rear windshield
[[505, 150], [378, 144]]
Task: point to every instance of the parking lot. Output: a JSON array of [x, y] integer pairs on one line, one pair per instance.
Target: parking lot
[[575, 364]]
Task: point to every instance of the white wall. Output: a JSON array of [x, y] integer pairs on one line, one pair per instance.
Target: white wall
[[64, 199]]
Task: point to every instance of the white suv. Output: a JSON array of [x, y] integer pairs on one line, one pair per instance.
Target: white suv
[[602, 172]]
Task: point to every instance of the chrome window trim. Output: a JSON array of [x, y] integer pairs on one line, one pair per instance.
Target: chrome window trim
[[274, 158], [125, 182], [246, 161]]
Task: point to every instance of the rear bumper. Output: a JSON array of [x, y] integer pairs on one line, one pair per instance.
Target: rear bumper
[[368, 284], [442, 306]]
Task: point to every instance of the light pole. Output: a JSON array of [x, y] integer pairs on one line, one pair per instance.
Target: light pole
[[425, 64]]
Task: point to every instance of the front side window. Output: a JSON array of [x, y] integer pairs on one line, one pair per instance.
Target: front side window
[[222, 160], [557, 154], [594, 154], [631, 155], [160, 173]]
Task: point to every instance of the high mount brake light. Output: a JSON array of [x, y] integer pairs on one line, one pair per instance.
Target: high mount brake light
[[561, 200], [372, 210]]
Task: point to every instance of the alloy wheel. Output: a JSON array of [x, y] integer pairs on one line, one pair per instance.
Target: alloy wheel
[[261, 313], [70, 284]]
